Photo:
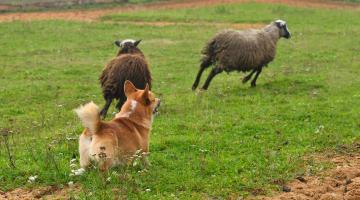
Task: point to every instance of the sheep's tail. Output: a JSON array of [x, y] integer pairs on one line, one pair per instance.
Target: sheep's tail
[[90, 116], [208, 53], [209, 48]]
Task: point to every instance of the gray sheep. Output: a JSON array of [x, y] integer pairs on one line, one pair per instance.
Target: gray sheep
[[232, 50]]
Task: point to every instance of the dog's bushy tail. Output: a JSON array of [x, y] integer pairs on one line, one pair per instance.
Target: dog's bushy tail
[[90, 116]]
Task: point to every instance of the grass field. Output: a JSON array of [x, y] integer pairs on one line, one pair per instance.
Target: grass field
[[229, 141]]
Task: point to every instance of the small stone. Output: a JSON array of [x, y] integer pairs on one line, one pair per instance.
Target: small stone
[[301, 179], [348, 181], [286, 189]]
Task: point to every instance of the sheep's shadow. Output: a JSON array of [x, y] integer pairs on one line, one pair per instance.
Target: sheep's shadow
[[278, 87]]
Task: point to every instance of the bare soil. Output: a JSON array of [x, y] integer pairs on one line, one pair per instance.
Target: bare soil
[[92, 15], [49, 192], [339, 183], [5, 7]]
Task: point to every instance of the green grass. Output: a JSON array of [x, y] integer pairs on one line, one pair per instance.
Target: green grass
[[231, 140]]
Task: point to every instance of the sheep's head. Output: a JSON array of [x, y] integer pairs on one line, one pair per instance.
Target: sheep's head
[[128, 43], [284, 32], [128, 46]]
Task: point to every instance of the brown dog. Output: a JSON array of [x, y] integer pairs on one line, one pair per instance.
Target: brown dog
[[113, 143]]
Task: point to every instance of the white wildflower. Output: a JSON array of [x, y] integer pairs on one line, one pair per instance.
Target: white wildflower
[[203, 150], [32, 179], [319, 128], [138, 151], [135, 163], [70, 183], [147, 190], [77, 172], [71, 138]]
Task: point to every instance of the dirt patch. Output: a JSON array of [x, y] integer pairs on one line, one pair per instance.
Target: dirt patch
[[339, 183], [49, 192], [91, 15], [5, 7]]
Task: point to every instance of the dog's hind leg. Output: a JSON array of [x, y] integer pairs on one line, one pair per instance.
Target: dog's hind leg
[[84, 149], [105, 158]]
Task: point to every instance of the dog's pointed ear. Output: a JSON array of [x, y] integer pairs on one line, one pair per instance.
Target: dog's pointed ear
[[118, 43], [137, 42], [129, 88], [145, 95]]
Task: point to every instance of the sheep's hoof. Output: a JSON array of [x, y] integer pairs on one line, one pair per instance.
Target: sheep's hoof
[[102, 115], [245, 79], [193, 88], [253, 85]]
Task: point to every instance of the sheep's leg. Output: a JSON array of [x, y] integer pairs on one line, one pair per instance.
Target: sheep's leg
[[253, 82], [106, 107], [248, 77], [212, 74], [205, 64], [120, 103]]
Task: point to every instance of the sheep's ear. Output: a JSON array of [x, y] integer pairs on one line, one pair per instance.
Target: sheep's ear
[[145, 95], [118, 43], [129, 88], [137, 42], [280, 23]]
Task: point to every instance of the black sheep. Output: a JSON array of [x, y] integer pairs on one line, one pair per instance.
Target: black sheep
[[130, 64]]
